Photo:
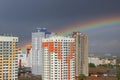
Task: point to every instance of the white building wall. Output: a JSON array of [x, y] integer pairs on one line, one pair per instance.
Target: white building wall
[[37, 64], [94, 60], [22, 57], [97, 61], [37, 53], [29, 59], [52, 65]]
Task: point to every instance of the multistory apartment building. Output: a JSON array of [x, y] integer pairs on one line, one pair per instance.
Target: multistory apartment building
[[24, 57], [37, 54], [8, 58], [21, 58], [29, 56], [59, 58], [81, 53]]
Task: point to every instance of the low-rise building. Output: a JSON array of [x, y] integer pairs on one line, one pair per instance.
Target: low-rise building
[[102, 61]]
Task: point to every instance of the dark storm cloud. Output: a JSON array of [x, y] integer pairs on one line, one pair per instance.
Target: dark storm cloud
[[21, 17], [107, 41], [28, 10], [51, 12]]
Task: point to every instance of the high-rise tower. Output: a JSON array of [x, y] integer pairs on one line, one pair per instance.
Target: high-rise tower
[[59, 58], [8, 58], [37, 54], [81, 53]]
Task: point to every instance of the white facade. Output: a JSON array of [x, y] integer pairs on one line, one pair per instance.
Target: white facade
[[94, 60], [29, 59], [25, 57], [22, 58], [59, 58], [108, 61], [37, 54], [101, 61]]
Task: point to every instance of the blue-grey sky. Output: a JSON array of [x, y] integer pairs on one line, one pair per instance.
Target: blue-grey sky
[[22, 17]]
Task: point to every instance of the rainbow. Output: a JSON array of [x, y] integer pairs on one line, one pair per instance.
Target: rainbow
[[94, 25]]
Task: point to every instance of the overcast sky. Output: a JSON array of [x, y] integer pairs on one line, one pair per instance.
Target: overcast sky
[[22, 17]]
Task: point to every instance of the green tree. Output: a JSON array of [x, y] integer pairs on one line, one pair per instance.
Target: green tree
[[91, 65], [118, 69], [82, 77], [118, 72]]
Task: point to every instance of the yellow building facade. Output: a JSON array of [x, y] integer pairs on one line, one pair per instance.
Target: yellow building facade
[[8, 58]]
